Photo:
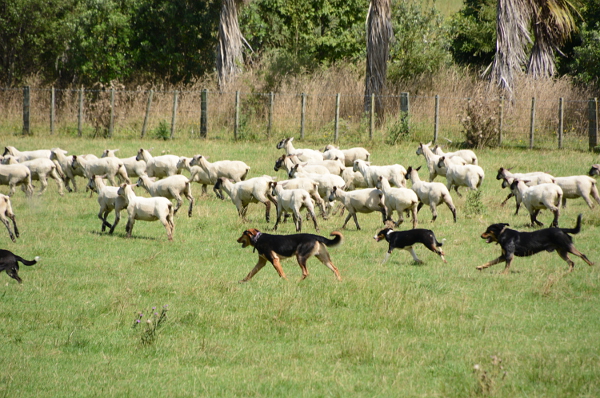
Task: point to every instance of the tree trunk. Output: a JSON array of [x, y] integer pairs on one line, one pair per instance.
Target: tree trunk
[[379, 35], [229, 51]]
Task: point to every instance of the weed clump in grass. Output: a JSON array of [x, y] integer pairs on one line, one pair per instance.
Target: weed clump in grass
[[151, 326], [474, 205], [488, 381], [162, 131]]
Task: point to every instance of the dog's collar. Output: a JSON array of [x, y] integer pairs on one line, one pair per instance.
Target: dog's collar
[[389, 232], [502, 230], [254, 239]]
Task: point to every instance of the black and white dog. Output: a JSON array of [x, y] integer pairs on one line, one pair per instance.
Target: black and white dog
[[407, 239], [9, 263]]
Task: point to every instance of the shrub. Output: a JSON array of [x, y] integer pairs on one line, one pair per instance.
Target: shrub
[[479, 124], [162, 131], [150, 327]]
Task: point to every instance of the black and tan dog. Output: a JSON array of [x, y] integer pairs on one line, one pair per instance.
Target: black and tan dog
[[274, 248], [407, 239], [9, 263], [523, 244]]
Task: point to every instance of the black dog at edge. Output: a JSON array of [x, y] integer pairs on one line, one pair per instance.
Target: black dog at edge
[[8, 263]]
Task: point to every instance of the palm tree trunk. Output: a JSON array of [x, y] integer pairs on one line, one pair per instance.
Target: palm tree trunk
[[379, 35], [229, 51]]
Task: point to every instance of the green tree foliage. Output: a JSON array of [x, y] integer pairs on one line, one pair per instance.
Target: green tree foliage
[[473, 33], [583, 60]]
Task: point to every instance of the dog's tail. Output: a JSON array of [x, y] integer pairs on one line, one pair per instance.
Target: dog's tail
[[26, 262], [440, 244], [338, 238], [577, 228]]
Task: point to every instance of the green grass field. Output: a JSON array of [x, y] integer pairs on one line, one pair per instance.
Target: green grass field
[[398, 329]]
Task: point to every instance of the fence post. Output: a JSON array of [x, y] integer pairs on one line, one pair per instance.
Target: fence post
[[436, 122], [204, 113], [236, 124], [532, 123], [80, 114], [372, 117], [111, 123], [147, 116], [560, 122], [270, 121], [302, 116], [500, 120], [174, 116], [593, 123], [337, 118], [52, 101], [26, 111]]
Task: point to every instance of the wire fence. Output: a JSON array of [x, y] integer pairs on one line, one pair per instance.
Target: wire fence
[[529, 122]]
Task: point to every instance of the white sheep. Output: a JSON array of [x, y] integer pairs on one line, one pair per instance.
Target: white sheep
[[581, 186], [16, 174], [334, 166], [109, 200], [197, 174], [292, 200], [399, 200], [41, 169], [235, 170], [135, 168], [171, 187], [432, 161], [430, 193], [470, 175], [285, 161], [110, 167], [147, 209], [395, 173], [23, 156], [538, 197], [326, 182], [361, 201], [303, 154], [467, 154], [309, 186], [6, 213], [242, 193], [353, 179], [533, 178], [159, 166], [59, 157], [347, 155]]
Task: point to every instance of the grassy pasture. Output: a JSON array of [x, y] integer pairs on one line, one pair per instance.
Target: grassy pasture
[[398, 329]]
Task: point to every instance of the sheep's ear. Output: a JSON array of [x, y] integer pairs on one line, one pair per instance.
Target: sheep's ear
[[418, 168], [428, 144], [290, 139]]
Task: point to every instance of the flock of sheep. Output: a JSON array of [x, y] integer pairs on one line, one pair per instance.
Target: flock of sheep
[[315, 178]]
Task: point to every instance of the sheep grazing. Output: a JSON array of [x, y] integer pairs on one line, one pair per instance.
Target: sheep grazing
[[147, 209], [348, 156], [6, 213], [109, 200], [171, 187], [533, 178], [538, 197], [197, 174], [326, 182], [433, 160], [293, 201], [23, 156], [110, 167], [303, 154], [235, 170], [58, 156], [135, 168], [399, 200], [361, 201], [159, 166], [430, 193], [16, 174], [467, 154], [243, 193], [470, 175], [41, 169], [394, 173], [595, 170]]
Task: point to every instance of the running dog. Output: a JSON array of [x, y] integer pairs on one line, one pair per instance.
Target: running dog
[[407, 239], [9, 263], [273, 248], [523, 244]]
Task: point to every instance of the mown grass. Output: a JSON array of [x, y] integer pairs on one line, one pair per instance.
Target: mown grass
[[398, 329]]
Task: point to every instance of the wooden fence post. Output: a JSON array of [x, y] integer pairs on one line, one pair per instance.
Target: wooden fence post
[[204, 114], [372, 117], [560, 122], [337, 118], [593, 123], [302, 116], [52, 102], [80, 114], [500, 120], [174, 116], [236, 124], [111, 122], [532, 123], [270, 121], [436, 122], [26, 111], [147, 116]]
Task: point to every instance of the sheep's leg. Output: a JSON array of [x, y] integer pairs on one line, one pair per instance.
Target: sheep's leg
[[319, 201], [347, 219], [59, 181], [261, 263], [556, 212], [533, 216], [433, 211], [12, 189], [74, 183], [268, 210], [585, 197], [500, 259], [356, 221], [129, 226], [419, 206], [456, 190], [510, 195], [279, 214], [168, 224], [190, 197], [415, 221], [117, 219], [7, 225], [179, 201], [594, 192], [102, 215], [314, 219], [518, 207], [297, 221], [204, 189], [43, 183], [14, 221]]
